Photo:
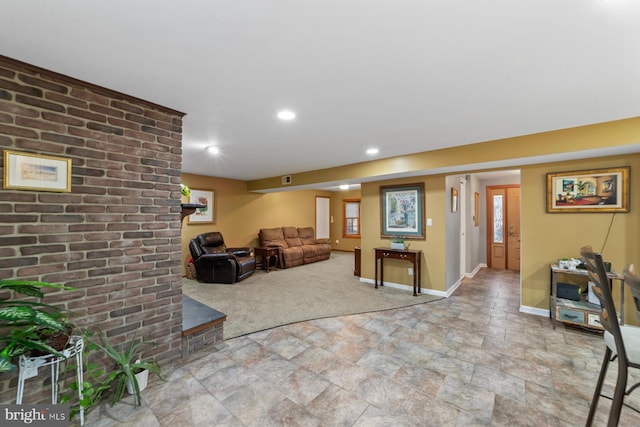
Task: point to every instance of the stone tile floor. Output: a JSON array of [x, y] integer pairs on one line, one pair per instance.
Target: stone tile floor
[[469, 360]]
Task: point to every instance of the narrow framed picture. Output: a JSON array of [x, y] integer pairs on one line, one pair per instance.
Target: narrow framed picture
[[36, 172], [598, 190], [202, 215], [454, 199], [402, 213], [476, 209]]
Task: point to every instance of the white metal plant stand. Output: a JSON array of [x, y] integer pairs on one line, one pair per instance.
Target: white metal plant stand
[[28, 368]]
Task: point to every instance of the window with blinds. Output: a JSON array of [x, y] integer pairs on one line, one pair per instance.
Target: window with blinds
[[351, 218]]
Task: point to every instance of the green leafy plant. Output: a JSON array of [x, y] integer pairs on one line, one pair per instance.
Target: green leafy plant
[[96, 383], [127, 366], [397, 239], [24, 321]]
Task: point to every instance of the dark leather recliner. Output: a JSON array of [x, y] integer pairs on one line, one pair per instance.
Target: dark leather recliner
[[215, 263]]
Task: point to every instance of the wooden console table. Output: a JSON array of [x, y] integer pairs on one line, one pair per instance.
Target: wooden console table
[[405, 254]]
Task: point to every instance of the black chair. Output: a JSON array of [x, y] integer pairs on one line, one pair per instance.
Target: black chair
[[622, 341], [215, 263]]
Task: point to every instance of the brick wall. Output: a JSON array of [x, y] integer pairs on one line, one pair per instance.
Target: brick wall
[[116, 236]]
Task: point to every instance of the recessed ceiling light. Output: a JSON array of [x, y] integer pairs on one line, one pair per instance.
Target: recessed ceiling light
[[372, 151], [286, 115], [344, 187], [213, 149]]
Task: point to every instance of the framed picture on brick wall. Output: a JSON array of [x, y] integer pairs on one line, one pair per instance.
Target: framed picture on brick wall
[[202, 215], [36, 172]]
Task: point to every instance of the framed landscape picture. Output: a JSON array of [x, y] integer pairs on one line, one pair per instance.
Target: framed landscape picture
[[598, 190], [35, 172], [202, 215], [402, 211]]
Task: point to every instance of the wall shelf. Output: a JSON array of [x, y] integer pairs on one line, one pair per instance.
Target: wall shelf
[[189, 208]]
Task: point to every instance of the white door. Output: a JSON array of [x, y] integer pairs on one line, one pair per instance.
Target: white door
[[323, 216]]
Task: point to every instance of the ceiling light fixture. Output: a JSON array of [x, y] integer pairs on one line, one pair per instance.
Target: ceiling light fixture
[[344, 187], [286, 115], [213, 149], [372, 151]]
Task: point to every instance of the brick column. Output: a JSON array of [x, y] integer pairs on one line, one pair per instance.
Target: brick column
[[116, 236]]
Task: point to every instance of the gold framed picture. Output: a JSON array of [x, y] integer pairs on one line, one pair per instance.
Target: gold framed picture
[[36, 172], [598, 190]]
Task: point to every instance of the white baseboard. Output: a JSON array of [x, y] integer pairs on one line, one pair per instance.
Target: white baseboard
[[523, 308], [535, 310], [452, 289], [407, 287], [475, 270]]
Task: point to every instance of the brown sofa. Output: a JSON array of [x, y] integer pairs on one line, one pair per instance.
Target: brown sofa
[[297, 246]]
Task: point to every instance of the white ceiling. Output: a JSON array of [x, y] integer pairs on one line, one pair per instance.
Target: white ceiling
[[402, 75]]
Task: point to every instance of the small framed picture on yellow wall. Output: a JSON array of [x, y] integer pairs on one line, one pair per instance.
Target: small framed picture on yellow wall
[[202, 215], [454, 199]]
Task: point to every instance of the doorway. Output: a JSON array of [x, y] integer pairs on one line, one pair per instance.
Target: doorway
[[503, 227], [323, 217]]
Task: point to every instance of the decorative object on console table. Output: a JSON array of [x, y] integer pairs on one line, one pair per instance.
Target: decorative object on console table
[[598, 190], [397, 243], [402, 211], [205, 214]]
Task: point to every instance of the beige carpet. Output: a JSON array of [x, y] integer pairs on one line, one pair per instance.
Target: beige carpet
[[322, 289]]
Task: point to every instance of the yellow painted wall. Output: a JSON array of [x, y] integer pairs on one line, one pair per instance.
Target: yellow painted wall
[[601, 135], [433, 247], [239, 215], [547, 237]]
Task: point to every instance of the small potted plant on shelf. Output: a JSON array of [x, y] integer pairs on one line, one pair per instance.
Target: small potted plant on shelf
[[130, 372], [397, 242], [30, 325], [185, 190]]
